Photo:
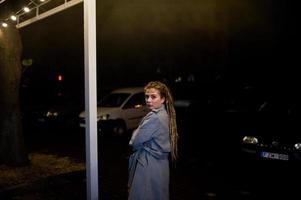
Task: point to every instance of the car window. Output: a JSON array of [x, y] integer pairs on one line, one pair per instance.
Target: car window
[[136, 101], [113, 100]]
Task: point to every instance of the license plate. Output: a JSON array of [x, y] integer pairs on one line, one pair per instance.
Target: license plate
[[276, 156]]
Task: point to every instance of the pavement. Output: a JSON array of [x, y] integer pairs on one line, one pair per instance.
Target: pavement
[[113, 164], [64, 186], [73, 186], [192, 178], [200, 173], [191, 182]]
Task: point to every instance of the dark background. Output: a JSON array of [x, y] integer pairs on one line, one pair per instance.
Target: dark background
[[209, 50], [230, 42], [222, 53]]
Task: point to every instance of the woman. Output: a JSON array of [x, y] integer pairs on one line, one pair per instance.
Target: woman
[[153, 142]]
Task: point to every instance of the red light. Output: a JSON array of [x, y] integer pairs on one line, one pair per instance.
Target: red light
[[59, 77]]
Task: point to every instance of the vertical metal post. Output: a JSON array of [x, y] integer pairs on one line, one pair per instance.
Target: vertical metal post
[[91, 98]]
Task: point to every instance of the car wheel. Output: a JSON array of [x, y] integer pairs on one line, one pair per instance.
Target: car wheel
[[119, 128]]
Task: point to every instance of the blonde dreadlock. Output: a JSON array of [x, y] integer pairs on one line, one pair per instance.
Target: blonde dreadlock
[[173, 133]]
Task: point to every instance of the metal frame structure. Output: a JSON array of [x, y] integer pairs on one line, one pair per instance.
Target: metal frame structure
[[38, 15], [90, 80], [91, 99]]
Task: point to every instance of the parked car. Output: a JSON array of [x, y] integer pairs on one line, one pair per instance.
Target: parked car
[[267, 125], [275, 135], [57, 112], [120, 110]]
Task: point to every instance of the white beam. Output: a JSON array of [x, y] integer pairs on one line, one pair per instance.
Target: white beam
[[91, 99], [65, 5]]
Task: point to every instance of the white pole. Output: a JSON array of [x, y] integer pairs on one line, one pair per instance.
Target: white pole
[[91, 98]]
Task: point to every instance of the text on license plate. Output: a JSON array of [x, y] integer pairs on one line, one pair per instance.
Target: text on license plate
[[277, 156]]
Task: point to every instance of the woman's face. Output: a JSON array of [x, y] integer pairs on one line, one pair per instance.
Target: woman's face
[[153, 98]]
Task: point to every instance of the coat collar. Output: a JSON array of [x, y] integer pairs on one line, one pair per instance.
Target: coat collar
[[156, 110]]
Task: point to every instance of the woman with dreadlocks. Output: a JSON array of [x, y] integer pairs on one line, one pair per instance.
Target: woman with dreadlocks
[[153, 143]]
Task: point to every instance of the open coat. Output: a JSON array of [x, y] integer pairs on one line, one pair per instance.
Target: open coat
[[149, 164]]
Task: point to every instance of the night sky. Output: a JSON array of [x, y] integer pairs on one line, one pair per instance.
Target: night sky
[[140, 40]]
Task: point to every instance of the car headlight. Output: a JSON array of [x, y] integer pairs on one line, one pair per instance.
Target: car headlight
[[250, 140], [297, 146], [103, 117], [52, 114]]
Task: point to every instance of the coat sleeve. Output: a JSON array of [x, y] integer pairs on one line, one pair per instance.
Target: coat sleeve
[[146, 130]]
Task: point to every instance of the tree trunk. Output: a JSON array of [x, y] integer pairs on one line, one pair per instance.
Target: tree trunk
[[12, 146]]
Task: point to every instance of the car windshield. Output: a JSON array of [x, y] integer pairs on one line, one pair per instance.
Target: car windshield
[[113, 100]]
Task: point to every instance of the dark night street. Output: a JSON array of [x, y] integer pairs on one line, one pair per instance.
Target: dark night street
[[233, 69], [205, 170]]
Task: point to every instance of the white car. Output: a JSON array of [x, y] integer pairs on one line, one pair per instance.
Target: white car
[[120, 110]]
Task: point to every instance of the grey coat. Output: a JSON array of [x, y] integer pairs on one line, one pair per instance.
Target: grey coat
[[149, 164]]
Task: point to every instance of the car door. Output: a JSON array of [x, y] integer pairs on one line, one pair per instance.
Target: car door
[[134, 110]]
